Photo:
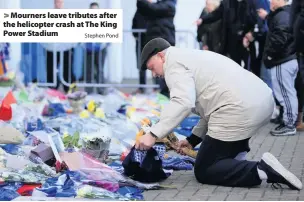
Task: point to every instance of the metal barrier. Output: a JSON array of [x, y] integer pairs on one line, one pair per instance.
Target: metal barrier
[[83, 64]]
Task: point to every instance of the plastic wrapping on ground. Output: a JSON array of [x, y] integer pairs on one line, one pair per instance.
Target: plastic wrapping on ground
[[84, 132], [91, 192], [75, 184], [8, 194], [10, 135], [8, 191]]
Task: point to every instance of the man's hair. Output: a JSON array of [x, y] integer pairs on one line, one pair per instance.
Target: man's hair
[[94, 4], [215, 2]]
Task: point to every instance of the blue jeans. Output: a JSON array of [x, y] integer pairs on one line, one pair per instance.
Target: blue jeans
[[266, 76]]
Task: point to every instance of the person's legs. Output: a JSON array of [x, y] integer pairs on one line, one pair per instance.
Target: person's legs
[[261, 41], [283, 81], [100, 59], [89, 66], [252, 63], [50, 66], [103, 61], [216, 164], [68, 68], [300, 93], [142, 78], [266, 75]]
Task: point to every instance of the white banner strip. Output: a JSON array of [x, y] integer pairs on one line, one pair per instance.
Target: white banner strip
[[61, 25]]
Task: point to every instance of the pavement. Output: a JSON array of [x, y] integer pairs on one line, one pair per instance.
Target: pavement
[[289, 151]]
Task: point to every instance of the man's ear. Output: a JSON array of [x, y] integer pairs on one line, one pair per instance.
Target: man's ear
[[161, 55]]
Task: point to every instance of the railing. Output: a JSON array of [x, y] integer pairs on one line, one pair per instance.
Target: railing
[[81, 66]]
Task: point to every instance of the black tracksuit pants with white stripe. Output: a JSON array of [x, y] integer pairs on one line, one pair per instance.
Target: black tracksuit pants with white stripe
[[283, 82]]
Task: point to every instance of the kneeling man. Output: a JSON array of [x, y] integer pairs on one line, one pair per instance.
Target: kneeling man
[[233, 105]]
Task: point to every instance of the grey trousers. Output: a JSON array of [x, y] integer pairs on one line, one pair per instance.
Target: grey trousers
[[283, 84]]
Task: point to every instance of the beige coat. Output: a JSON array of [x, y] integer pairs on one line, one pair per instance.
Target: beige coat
[[232, 102]]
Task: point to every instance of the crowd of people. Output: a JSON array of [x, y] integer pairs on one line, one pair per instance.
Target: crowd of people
[[265, 37]]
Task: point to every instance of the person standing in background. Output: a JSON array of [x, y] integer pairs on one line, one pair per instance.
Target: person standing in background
[[239, 17], [95, 60], [259, 36], [280, 58], [53, 50], [160, 23], [210, 34], [297, 24], [139, 22]]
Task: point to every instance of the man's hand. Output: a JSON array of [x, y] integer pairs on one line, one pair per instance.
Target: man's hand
[[198, 22], [145, 142], [262, 13], [205, 47], [182, 144]]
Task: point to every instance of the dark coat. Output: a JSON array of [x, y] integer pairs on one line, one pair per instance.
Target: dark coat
[[160, 19], [210, 35], [139, 22], [239, 17], [297, 24], [279, 47]]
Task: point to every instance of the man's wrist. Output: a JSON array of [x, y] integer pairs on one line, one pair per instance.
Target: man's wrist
[[194, 140]]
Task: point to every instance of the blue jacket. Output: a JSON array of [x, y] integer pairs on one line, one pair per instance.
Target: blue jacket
[[262, 25]]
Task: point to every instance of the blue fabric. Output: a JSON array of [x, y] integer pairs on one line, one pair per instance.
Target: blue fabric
[[5, 51], [147, 169], [7, 194], [55, 109], [190, 122], [266, 76], [265, 4], [35, 125], [11, 148], [186, 126], [117, 166], [139, 155], [33, 62], [131, 192], [78, 61], [54, 189], [184, 132], [178, 163]]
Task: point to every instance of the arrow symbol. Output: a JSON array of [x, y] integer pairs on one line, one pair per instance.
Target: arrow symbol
[[6, 15]]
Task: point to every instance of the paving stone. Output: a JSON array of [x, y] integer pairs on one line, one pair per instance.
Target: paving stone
[[185, 195], [198, 198], [235, 197], [301, 198], [270, 198], [151, 195], [218, 197], [289, 151], [220, 189], [273, 192], [167, 195], [240, 190]]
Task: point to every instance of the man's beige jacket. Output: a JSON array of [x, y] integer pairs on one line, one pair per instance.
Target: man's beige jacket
[[232, 102]]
